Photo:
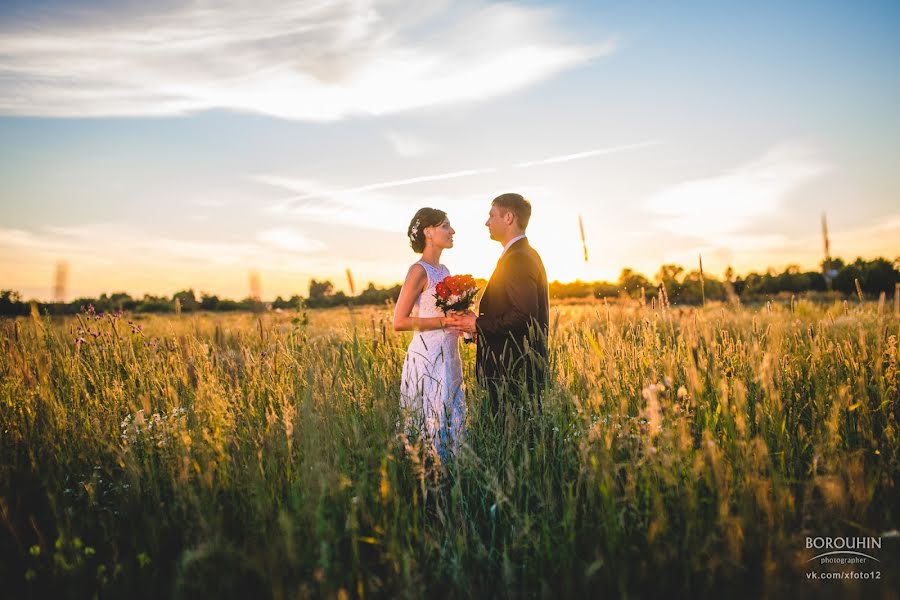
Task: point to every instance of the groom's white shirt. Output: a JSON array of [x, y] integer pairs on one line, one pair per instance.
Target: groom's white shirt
[[510, 243]]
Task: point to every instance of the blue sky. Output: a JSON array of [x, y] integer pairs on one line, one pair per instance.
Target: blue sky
[[185, 144]]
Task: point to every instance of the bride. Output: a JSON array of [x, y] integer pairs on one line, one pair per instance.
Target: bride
[[432, 395]]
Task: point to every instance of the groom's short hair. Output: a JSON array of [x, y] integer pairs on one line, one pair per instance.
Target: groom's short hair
[[517, 204]]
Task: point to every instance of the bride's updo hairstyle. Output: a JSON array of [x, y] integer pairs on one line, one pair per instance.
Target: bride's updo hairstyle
[[424, 217]]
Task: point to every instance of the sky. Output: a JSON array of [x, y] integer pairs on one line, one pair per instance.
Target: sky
[[161, 146]]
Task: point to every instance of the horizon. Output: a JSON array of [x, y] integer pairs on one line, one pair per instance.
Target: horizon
[[164, 148], [345, 288]]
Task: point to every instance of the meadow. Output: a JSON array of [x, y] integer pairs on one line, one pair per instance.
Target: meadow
[[680, 452]]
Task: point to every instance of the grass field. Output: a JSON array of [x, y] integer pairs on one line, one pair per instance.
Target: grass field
[[681, 452]]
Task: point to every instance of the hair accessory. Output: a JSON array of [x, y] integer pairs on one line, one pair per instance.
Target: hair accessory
[[414, 231]]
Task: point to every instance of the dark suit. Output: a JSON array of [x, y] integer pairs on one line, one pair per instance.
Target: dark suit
[[513, 324]]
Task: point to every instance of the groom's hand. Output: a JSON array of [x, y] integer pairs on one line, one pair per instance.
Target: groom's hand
[[464, 322]]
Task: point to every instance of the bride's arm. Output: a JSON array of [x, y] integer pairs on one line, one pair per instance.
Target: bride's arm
[[415, 283]]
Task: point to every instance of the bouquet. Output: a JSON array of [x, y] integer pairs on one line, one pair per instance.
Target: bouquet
[[456, 293]]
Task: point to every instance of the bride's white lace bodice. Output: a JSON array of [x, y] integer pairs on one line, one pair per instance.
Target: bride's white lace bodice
[[425, 304]]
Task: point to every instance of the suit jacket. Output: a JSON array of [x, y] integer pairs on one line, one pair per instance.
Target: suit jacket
[[514, 319]]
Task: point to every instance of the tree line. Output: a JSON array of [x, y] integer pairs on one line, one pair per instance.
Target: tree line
[[321, 295], [693, 287], [868, 278]]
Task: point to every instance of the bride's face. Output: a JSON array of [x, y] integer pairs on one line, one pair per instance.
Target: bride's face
[[442, 235]]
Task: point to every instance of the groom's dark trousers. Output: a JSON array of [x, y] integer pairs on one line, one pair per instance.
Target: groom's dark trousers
[[513, 327]]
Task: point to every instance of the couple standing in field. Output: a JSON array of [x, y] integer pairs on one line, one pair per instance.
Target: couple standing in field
[[510, 327]]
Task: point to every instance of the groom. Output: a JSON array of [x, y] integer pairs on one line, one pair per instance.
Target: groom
[[514, 312]]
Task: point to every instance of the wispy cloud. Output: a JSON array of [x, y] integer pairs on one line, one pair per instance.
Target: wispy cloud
[[360, 209], [350, 197], [586, 154], [296, 60], [407, 145], [121, 244], [721, 210], [364, 207]]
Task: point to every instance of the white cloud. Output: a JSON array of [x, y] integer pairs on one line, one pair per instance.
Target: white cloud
[[406, 145], [721, 210], [297, 60]]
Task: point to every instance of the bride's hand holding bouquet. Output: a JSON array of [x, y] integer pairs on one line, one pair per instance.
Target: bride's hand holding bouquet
[[455, 295]]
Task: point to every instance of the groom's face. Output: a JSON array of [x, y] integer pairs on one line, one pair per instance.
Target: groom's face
[[497, 223]]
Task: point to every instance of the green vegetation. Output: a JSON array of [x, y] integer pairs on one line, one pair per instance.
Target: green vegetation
[[691, 287], [678, 286], [680, 452]]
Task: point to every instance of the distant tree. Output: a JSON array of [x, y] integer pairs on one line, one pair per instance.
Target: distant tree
[[320, 289], [321, 294], [230, 305], [759, 285], [122, 301], [10, 297], [253, 304], [632, 283], [879, 275], [188, 300], [375, 295], [11, 303], [574, 289], [691, 291], [670, 275], [815, 282], [338, 299], [155, 304], [208, 302], [792, 280], [845, 282], [669, 272]]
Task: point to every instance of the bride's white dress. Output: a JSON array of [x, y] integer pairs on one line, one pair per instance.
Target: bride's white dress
[[432, 395]]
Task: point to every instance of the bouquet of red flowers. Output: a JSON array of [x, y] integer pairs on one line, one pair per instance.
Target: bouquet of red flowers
[[456, 293]]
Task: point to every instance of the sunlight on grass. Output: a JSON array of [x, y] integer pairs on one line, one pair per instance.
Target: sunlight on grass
[[679, 451]]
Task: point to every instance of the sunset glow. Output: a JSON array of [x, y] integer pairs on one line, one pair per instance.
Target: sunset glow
[[156, 149]]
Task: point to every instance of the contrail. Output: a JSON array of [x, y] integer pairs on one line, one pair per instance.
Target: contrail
[[296, 186], [304, 193], [587, 154]]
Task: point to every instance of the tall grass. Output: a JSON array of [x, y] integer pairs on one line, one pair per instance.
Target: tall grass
[[678, 452]]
